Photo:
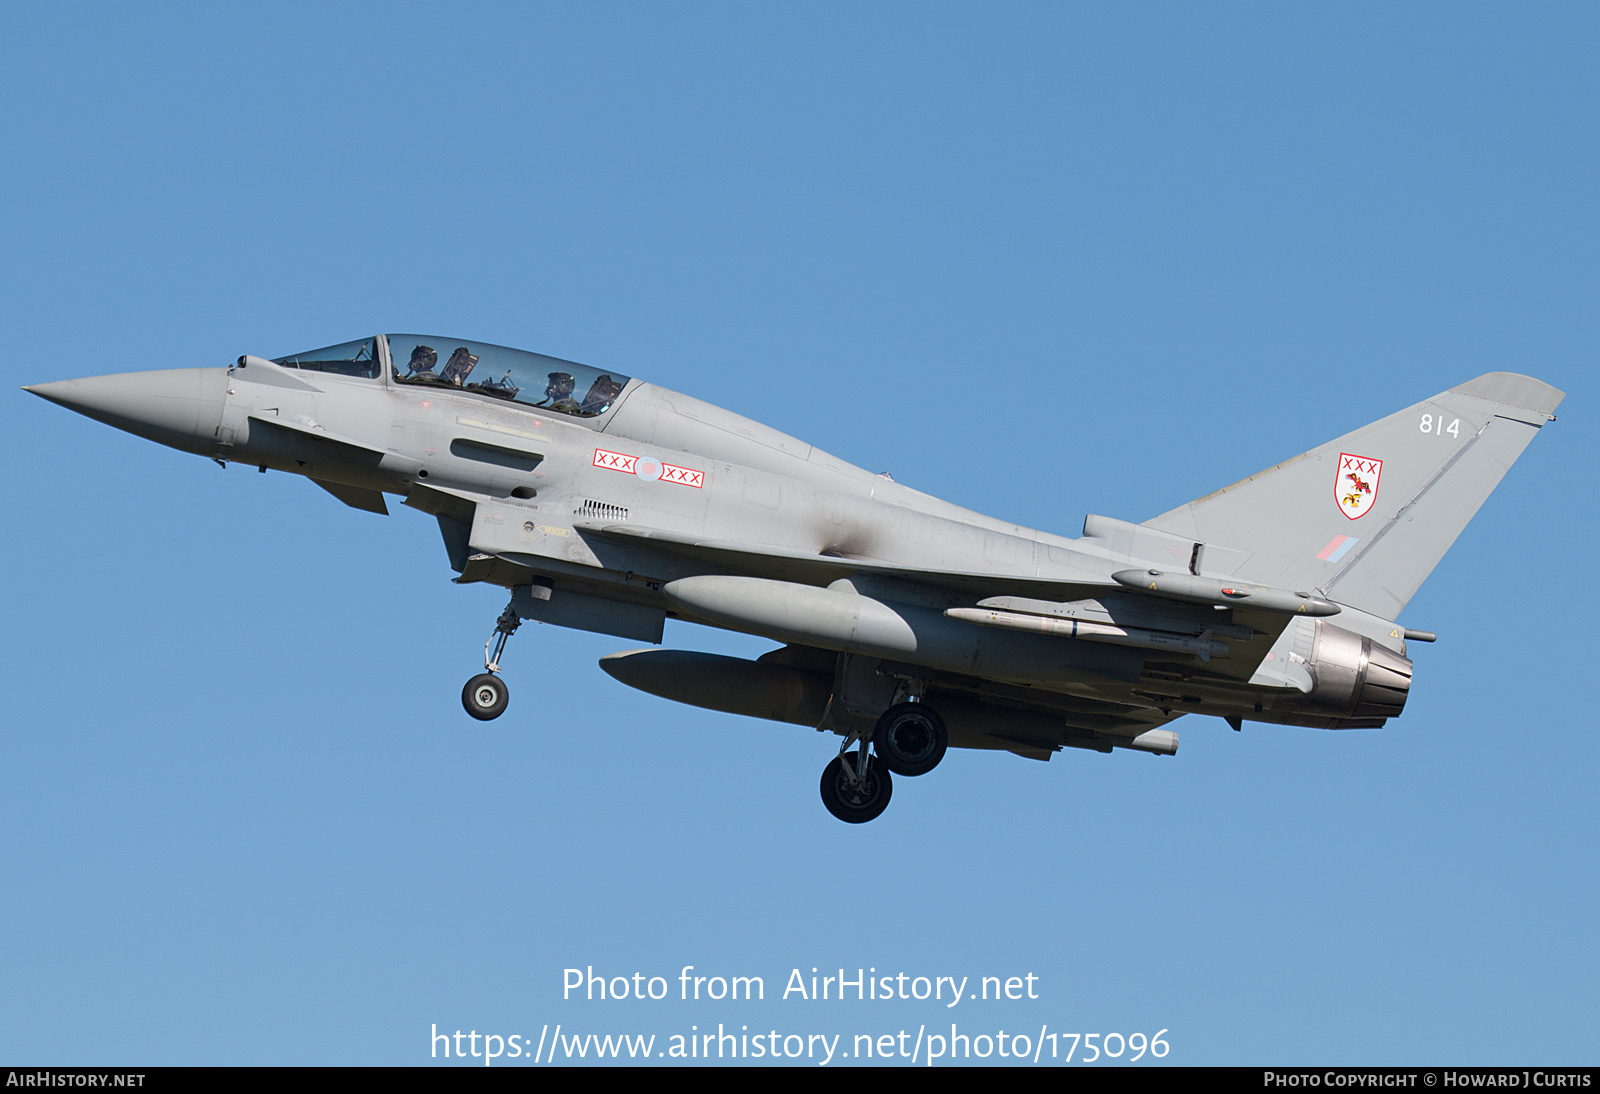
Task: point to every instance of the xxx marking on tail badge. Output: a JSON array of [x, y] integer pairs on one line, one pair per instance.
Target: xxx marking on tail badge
[[1355, 486]]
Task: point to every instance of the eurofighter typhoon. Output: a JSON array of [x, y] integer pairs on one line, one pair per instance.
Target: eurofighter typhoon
[[908, 625]]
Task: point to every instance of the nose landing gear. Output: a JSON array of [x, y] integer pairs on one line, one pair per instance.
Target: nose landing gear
[[486, 695]]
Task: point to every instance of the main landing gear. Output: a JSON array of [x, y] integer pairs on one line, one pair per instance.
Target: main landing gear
[[856, 790], [910, 739], [485, 696]]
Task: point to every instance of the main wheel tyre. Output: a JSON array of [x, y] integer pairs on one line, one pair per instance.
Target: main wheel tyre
[[856, 803], [910, 738], [485, 696]]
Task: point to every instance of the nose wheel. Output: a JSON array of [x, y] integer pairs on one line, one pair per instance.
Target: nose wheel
[[486, 695]]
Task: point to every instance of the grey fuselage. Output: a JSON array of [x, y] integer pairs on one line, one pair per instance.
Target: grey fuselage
[[667, 506]]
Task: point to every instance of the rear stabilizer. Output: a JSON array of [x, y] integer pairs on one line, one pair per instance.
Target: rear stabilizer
[[1364, 519]]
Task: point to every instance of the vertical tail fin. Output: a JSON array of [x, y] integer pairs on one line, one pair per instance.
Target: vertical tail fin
[[1367, 517]]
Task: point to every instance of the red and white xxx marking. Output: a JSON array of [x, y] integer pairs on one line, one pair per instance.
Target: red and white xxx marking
[[650, 470]]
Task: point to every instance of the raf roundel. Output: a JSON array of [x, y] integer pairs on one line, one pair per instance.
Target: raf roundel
[[650, 470], [1355, 484]]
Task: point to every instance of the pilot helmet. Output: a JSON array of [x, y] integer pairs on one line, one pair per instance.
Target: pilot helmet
[[561, 385]]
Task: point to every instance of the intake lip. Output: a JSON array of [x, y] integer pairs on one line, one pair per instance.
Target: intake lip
[[180, 408]]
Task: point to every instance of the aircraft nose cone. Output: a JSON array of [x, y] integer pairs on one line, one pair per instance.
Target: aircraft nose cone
[[179, 407]]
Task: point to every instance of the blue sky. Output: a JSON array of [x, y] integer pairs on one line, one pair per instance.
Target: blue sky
[[1040, 260]]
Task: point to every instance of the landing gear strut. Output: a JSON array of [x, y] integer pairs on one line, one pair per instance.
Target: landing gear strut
[[486, 695]]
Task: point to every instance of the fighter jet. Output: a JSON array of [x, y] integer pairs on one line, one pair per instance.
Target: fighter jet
[[907, 625]]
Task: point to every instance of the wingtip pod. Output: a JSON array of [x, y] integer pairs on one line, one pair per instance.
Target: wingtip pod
[[1513, 389]]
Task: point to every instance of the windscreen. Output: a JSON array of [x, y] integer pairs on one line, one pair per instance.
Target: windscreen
[[347, 359]]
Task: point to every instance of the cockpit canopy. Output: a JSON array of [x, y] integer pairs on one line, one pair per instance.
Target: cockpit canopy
[[548, 383]]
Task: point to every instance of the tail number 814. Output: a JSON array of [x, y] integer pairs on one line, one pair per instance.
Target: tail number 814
[[1432, 425]]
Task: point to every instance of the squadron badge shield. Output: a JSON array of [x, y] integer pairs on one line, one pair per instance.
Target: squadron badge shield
[[1355, 487]]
